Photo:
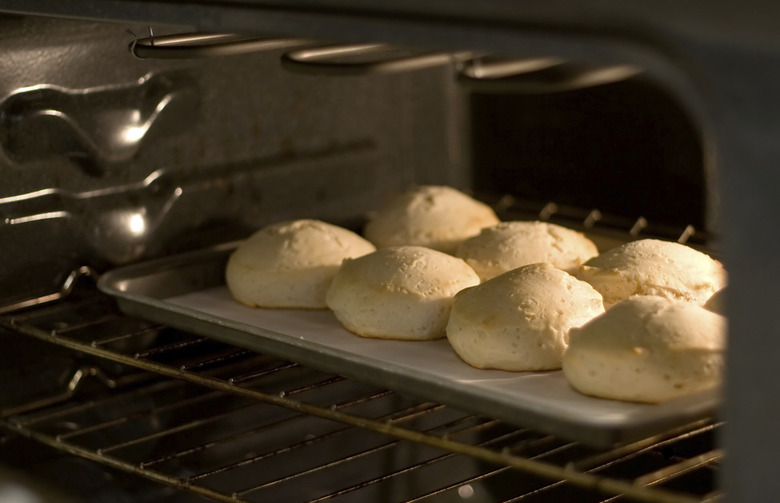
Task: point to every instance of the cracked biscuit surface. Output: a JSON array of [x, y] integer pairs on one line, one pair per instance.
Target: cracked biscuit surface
[[291, 264], [520, 320], [647, 349], [434, 216], [402, 292], [654, 267], [509, 245]]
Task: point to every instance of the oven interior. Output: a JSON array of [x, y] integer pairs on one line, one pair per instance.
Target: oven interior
[[111, 158]]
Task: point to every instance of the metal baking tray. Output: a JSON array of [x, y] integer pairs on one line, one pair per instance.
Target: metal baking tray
[[188, 292]]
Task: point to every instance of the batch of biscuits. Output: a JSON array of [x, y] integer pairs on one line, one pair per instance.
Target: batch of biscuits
[[641, 322]]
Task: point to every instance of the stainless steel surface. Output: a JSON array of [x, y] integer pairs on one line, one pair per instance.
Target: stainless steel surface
[[236, 425], [204, 45], [539, 75], [109, 159], [188, 292], [362, 59]]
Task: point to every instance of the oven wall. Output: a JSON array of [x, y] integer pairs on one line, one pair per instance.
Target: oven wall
[[108, 159]]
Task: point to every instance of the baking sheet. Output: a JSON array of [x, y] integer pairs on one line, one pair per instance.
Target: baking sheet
[[188, 292]]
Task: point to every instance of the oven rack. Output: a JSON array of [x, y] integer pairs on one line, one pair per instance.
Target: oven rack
[[208, 384]]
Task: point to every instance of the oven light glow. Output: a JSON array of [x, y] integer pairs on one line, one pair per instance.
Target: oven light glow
[[466, 491], [137, 224], [133, 129], [133, 134]]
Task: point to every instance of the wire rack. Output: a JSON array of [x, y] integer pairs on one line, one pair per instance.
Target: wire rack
[[233, 425]]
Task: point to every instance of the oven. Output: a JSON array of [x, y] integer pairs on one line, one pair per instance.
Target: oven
[[135, 133]]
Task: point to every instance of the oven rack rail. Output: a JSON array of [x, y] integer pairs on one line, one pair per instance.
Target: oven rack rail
[[473, 69], [93, 326]]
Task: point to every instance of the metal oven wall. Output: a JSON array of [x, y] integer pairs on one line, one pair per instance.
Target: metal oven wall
[[108, 159]]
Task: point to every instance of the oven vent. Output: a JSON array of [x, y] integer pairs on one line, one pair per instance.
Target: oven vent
[[233, 425]]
